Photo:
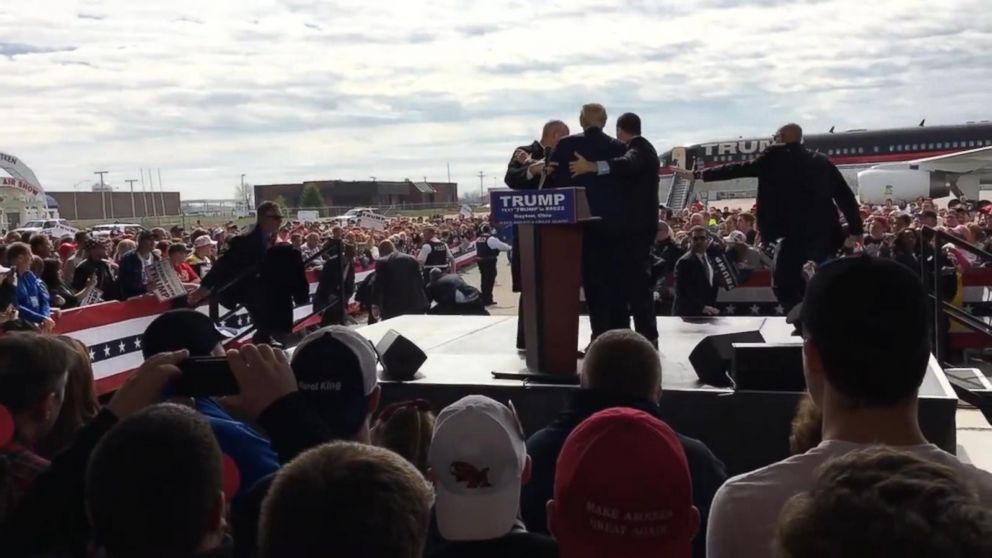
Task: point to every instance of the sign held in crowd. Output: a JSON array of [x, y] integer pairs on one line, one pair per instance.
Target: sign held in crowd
[[374, 222], [164, 281], [95, 296]]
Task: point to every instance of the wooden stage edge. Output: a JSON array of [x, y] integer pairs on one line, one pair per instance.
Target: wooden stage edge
[[745, 429]]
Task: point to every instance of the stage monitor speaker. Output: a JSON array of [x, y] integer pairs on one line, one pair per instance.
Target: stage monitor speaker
[[713, 355], [768, 367], [400, 357]]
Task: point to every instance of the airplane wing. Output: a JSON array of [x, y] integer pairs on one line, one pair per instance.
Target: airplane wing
[[962, 162]]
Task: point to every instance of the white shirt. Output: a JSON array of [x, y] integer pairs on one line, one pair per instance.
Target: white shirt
[[745, 510], [497, 244], [706, 264]]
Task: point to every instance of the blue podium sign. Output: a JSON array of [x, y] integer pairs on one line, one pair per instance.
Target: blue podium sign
[[533, 207]]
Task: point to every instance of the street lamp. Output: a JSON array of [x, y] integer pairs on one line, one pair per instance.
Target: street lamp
[[103, 194], [75, 206]]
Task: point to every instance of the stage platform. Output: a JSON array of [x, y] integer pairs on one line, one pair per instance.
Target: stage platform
[[745, 429]]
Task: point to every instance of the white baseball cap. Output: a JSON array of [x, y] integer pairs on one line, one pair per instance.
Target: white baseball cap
[[477, 456], [202, 241]]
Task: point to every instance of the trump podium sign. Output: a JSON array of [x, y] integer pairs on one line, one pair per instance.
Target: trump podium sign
[[534, 207]]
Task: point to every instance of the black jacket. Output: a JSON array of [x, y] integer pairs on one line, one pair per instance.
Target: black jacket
[[664, 255], [518, 543], [707, 472], [243, 260], [692, 288], [516, 178], [601, 190], [516, 172], [636, 172], [799, 193], [104, 278], [398, 288]]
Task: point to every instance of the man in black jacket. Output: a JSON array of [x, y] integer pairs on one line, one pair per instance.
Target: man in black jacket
[[636, 172], [526, 171], [620, 369], [601, 241], [398, 288], [242, 265], [799, 193], [695, 279]]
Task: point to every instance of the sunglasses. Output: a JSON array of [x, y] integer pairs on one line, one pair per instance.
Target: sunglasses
[[699, 238], [275, 217]]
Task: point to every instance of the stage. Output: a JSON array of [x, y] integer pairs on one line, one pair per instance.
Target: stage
[[744, 429]]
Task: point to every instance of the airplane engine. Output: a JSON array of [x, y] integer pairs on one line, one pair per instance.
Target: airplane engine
[[878, 185]]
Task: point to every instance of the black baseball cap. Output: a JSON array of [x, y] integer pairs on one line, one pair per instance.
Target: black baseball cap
[[336, 371], [852, 300], [181, 329]]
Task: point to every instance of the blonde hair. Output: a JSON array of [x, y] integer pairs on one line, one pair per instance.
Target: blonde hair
[[407, 430], [593, 115], [346, 499]]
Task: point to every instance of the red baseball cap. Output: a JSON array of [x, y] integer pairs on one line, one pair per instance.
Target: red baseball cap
[[66, 250], [622, 488]]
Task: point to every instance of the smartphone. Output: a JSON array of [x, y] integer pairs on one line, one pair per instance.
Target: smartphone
[[205, 376]]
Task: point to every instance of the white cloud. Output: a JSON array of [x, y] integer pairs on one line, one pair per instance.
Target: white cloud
[[293, 90]]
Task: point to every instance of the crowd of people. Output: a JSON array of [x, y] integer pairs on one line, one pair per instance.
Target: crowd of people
[[892, 230], [305, 460], [41, 276]]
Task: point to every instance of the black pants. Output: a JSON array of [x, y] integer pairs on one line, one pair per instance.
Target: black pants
[[789, 285], [632, 294], [598, 279], [487, 269]]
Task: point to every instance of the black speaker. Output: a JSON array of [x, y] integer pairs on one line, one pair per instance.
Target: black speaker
[[400, 357], [713, 355], [768, 367]]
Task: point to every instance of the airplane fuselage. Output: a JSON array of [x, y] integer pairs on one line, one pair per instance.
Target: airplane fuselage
[[852, 151]]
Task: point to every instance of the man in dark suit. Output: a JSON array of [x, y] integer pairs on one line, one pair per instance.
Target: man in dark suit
[[454, 297], [695, 279], [636, 172], [600, 280], [799, 193], [398, 288], [238, 271], [526, 171]]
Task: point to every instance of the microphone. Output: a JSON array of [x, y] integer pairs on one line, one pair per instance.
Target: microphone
[[544, 170]]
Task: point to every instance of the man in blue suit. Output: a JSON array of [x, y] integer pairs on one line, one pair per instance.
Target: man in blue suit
[[600, 280]]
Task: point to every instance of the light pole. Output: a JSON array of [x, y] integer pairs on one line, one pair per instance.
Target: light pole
[[130, 183], [103, 193], [482, 187], [75, 205], [244, 193]]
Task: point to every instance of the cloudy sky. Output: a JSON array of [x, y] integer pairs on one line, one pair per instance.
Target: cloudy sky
[[291, 90]]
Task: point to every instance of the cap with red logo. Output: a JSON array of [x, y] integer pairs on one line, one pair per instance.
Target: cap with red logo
[[622, 488], [477, 455]]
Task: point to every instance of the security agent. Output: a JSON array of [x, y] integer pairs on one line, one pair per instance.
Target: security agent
[[695, 279], [487, 248], [799, 192], [242, 265], [636, 172], [525, 171], [434, 254]]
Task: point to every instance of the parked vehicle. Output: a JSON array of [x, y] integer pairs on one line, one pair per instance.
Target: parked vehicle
[[54, 228]]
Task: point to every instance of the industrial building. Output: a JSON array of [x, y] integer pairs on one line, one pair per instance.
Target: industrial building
[[361, 193]]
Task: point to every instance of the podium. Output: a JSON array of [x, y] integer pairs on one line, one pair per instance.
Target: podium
[[550, 227]]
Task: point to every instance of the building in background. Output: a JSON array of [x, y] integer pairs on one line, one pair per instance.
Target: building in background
[[342, 193], [114, 205]]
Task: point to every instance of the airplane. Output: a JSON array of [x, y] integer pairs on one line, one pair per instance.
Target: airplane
[[897, 164]]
